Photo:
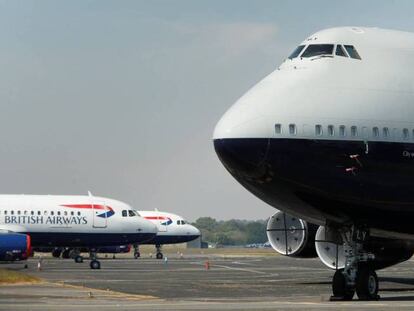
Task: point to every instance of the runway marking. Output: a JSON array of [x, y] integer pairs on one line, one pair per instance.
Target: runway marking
[[241, 269]]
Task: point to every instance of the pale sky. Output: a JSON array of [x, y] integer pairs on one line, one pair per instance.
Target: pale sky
[[121, 97]]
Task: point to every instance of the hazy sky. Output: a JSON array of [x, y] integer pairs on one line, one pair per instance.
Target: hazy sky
[[121, 97]]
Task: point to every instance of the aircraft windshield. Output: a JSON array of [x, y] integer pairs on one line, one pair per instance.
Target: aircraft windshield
[[296, 52], [352, 51], [318, 50]]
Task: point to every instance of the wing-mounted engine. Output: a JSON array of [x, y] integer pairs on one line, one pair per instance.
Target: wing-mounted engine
[[387, 252], [14, 246], [291, 236]]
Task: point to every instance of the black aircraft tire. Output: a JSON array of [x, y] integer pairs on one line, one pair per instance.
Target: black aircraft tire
[[159, 256], [366, 283], [78, 259], [339, 288], [137, 255], [95, 264]]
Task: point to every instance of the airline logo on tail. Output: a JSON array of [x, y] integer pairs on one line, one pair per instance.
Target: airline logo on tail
[[107, 211]]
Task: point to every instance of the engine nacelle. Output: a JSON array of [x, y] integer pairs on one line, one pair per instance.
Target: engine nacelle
[[291, 236], [14, 246], [388, 252]]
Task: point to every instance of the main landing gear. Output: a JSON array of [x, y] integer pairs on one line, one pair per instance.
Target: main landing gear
[[137, 254], [95, 263], [159, 253], [358, 274]]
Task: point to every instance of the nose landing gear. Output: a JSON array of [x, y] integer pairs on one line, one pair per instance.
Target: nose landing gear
[[358, 275], [159, 253]]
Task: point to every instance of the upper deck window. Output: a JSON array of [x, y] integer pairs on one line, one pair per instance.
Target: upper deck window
[[352, 52], [340, 51], [296, 52], [318, 50]]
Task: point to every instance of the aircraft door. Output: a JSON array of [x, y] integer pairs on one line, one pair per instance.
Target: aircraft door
[[100, 214], [162, 223]]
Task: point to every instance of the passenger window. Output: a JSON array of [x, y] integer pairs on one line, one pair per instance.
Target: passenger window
[[124, 213], [292, 129], [79, 213], [331, 131], [72, 213], [32, 213], [18, 212], [39, 213], [5, 212], [58, 213], [342, 131], [318, 49], [52, 213], [354, 131], [131, 213], [318, 130], [375, 132], [296, 52], [12, 212], [352, 52], [278, 128], [385, 132], [25, 212], [340, 51]]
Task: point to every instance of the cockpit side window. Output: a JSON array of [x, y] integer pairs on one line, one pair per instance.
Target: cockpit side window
[[352, 52], [318, 50], [340, 51], [124, 213], [131, 213], [296, 52]]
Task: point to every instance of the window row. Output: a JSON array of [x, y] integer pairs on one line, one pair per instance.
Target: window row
[[353, 131], [39, 213], [129, 213]]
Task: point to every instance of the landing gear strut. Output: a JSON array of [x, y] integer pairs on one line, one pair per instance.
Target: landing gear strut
[[159, 253], [94, 264], [137, 254], [358, 275]]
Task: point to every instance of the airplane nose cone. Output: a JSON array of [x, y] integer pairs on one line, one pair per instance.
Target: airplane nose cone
[[195, 231], [243, 156]]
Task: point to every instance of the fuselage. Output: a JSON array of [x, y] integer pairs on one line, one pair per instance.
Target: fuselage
[[330, 137], [78, 221]]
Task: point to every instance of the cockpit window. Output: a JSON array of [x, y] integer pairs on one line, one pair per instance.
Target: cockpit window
[[296, 52], [340, 51], [352, 52], [318, 49], [131, 213], [124, 213]]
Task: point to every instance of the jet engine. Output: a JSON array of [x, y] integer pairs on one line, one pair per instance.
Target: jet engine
[[14, 246], [387, 252], [291, 236]]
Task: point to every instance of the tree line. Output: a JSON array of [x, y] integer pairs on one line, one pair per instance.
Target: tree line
[[231, 232]]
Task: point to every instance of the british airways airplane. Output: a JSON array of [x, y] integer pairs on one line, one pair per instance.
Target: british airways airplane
[[67, 221], [172, 229], [328, 139]]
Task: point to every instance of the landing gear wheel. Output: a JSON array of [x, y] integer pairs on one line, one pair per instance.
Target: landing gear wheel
[[78, 259], [367, 283], [66, 253], [56, 252], [340, 289], [137, 255], [95, 264], [159, 256]]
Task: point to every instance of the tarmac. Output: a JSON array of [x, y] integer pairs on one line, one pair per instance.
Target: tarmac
[[232, 283]]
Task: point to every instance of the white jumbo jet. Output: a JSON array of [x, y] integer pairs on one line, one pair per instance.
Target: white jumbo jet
[[67, 221], [328, 137]]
